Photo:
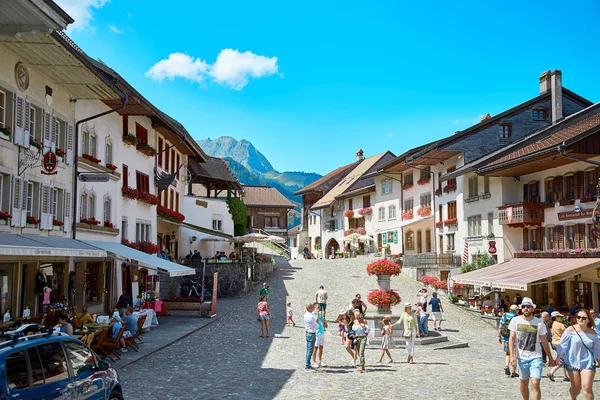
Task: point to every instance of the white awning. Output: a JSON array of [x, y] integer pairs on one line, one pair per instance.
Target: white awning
[[46, 246], [144, 259]]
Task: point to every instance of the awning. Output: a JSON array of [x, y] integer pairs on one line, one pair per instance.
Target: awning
[[144, 259], [46, 246], [517, 273]]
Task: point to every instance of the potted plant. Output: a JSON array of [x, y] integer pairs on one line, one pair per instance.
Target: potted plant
[[4, 217], [91, 158], [383, 269], [5, 132], [112, 167], [146, 149], [349, 213], [130, 139], [384, 299]]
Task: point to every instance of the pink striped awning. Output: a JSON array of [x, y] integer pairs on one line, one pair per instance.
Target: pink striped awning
[[517, 273]]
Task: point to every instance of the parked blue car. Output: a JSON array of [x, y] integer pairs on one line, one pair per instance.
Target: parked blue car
[[54, 366]]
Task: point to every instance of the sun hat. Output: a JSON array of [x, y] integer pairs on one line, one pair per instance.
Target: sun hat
[[408, 305], [514, 307], [556, 314], [527, 302]]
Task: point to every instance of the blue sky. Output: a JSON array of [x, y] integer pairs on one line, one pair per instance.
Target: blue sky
[[308, 83]]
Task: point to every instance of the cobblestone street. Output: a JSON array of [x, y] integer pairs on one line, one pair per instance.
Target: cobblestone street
[[227, 359]]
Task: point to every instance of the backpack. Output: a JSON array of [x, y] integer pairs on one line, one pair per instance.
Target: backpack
[[505, 330]]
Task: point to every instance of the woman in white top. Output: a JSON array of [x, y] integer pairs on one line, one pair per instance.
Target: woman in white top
[[409, 325]]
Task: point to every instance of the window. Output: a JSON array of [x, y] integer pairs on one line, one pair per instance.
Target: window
[[450, 242], [569, 182], [94, 283], [425, 173], [171, 199], [452, 181], [366, 201], [217, 224], [83, 206], [55, 203], [505, 131], [29, 204], [82, 359], [473, 186], [88, 145], [106, 210], [177, 201], [32, 131], [124, 227], [408, 204], [91, 206], [142, 231], [52, 358], [271, 222], [490, 219], [386, 186], [408, 179], [486, 184], [142, 182], [409, 239], [37, 371], [61, 133], [590, 182], [2, 190], [167, 152], [428, 241], [172, 161], [141, 134], [350, 206], [439, 182], [381, 213], [426, 200], [531, 192], [17, 376], [160, 151], [451, 209], [540, 114], [109, 153], [2, 109], [549, 190], [419, 242], [125, 176], [474, 225], [392, 212], [177, 166], [440, 212]]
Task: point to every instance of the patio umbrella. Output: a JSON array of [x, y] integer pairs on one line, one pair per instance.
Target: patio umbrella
[[251, 237], [365, 238], [274, 239], [214, 239], [353, 237]]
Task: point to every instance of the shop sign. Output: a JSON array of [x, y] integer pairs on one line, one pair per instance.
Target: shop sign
[[564, 216], [49, 164], [509, 214], [492, 247]]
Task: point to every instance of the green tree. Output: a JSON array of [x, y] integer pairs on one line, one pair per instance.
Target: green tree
[[239, 214], [480, 261]]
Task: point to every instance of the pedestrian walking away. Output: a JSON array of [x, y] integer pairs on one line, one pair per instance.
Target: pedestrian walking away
[[264, 315], [527, 337], [557, 329], [321, 298], [409, 326], [264, 291], [436, 311], [317, 356], [362, 331], [290, 314], [580, 347], [310, 326], [386, 335], [503, 336]]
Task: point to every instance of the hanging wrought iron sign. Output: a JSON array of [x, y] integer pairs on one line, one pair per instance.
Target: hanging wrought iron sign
[[49, 163], [186, 176], [492, 247]]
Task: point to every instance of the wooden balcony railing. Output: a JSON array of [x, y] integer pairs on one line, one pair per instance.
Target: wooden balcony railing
[[521, 214]]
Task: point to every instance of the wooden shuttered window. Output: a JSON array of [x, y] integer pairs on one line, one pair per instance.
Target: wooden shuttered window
[[125, 177], [167, 157], [366, 201], [558, 188], [579, 236], [579, 185], [531, 192], [141, 134], [160, 152], [177, 166], [142, 182]]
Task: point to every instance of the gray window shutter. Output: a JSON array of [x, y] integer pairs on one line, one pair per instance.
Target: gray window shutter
[[17, 198], [70, 142], [19, 131], [26, 118], [68, 212], [24, 185]]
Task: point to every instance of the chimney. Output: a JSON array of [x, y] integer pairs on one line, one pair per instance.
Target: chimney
[[556, 85], [360, 155], [545, 82]]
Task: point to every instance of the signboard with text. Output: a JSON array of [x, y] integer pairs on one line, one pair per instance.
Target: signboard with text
[[564, 216]]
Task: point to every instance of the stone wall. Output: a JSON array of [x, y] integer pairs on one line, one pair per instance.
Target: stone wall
[[235, 278]]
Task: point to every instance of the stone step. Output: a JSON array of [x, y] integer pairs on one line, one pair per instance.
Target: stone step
[[400, 342]]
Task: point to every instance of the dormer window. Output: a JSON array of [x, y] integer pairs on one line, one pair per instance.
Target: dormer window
[[505, 131], [540, 114]]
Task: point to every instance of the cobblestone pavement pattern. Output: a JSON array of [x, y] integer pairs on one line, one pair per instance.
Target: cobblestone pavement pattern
[[227, 359]]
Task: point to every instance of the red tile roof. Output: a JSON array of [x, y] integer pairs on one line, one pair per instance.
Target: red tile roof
[[258, 196], [341, 170]]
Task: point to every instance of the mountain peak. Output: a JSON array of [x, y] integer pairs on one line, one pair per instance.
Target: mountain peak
[[241, 151]]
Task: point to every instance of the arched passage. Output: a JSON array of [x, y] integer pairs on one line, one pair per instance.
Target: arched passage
[[332, 248]]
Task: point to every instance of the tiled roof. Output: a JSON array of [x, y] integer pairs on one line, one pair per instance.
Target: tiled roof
[[552, 140], [321, 181], [214, 168], [267, 196]]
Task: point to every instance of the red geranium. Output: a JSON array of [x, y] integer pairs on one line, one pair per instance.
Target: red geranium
[[170, 214], [349, 214], [383, 267], [91, 158], [33, 220], [110, 166], [384, 298], [5, 216], [91, 221]]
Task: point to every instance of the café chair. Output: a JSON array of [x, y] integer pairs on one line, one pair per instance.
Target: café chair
[[109, 347], [140, 324]]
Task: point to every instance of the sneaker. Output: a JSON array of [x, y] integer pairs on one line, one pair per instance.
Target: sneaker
[[314, 365], [322, 364], [507, 371], [124, 350], [308, 369], [354, 363], [514, 375]]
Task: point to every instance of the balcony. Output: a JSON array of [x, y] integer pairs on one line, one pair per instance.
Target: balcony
[[521, 214], [432, 260]]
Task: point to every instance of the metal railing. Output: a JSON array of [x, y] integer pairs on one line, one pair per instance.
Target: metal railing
[[283, 247], [428, 260]]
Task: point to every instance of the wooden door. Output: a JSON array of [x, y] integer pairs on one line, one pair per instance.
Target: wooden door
[[419, 242], [444, 275], [428, 241], [582, 294], [559, 294], [126, 281]]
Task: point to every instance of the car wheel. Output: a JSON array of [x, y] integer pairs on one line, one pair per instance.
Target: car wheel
[[116, 395]]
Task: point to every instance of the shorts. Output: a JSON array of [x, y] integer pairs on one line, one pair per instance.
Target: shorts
[[573, 369], [323, 306], [506, 348], [289, 317], [264, 317], [530, 368], [127, 334], [436, 315], [320, 340]]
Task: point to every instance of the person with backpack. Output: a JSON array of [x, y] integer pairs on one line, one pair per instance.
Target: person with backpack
[[503, 336]]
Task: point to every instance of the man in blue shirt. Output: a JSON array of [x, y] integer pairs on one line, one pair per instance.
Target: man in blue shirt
[[436, 311], [594, 316], [503, 339]]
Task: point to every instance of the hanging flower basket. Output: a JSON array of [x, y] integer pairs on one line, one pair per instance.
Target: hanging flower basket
[[383, 267], [130, 139], [349, 214], [365, 211], [146, 149], [384, 298], [424, 211], [424, 181]]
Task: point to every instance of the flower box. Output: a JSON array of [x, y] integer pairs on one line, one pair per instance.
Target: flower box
[[112, 167], [35, 143], [97, 228], [349, 214], [31, 220], [90, 221], [56, 222], [5, 133], [383, 267], [91, 158], [129, 193], [108, 224], [407, 186], [169, 214], [60, 152], [144, 197], [438, 192], [451, 222], [424, 181], [130, 139], [146, 149], [439, 224], [565, 202], [449, 188], [4, 216], [407, 215], [548, 204], [146, 247], [365, 211], [424, 211]]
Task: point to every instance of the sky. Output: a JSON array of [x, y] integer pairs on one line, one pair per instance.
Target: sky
[[309, 83]]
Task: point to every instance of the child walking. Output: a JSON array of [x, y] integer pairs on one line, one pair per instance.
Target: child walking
[[341, 326], [386, 342], [290, 314]]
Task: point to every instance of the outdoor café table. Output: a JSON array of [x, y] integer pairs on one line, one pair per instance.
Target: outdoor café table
[[151, 319]]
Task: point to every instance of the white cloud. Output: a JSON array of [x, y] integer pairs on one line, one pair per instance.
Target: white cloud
[[179, 65], [114, 29], [231, 68], [389, 134], [81, 12]]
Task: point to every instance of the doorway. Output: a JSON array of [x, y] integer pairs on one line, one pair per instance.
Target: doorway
[[444, 275], [582, 294], [559, 294], [126, 281], [428, 241], [419, 242]]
